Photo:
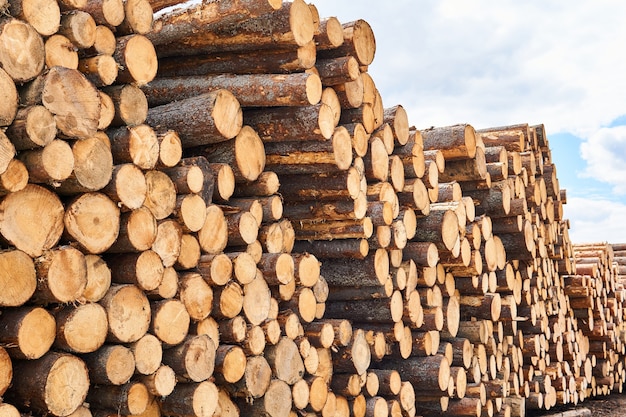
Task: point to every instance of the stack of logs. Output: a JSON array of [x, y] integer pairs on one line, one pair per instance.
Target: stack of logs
[[208, 211]]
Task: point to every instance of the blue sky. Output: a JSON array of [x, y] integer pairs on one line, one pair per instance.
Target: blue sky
[[487, 63]]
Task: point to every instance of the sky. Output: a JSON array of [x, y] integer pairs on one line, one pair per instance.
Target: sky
[[493, 63]]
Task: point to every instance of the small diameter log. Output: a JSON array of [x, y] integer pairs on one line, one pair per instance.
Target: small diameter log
[[50, 164], [170, 321], [355, 357], [98, 278], [57, 383], [384, 310], [101, 70], [79, 27], [161, 383], [148, 352], [343, 248], [230, 363], [6, 371], [440, 227], [18, 278], [425, 373], [128, 313], [201, 120], [277, 401], [138, 17], [60, 51], [252, 90], [14, 178], [255, 381], [138, 231], [197, 399], [27, 332], [143, 269], [110, 365], [338, 70]]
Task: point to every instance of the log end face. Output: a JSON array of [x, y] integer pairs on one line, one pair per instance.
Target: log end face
[[301, 22], [313, 88], [227, 114], [342, 148], [67, 385], [249, 154], [364, 42]]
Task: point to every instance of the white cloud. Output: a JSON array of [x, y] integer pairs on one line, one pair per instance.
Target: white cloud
[[596, 220], [605, 153], [493, 63]]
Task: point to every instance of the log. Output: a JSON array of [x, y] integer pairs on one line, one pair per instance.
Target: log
[[92, 220], [93, 166], [28, 62], [292, 26], [27, 332], [134, 144], [18, 278], [130, 104], [111, 365], [43, 16], [128, 313], [200, 120], [193, 359], [81, 329], [251, 90], [198, 399], [358, 41], [285, 361]]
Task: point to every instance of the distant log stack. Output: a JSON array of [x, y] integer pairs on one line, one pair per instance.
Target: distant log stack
[[204, 217]]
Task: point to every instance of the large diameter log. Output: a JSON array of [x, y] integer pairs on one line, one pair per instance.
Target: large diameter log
[[18, 278], [291, 26], [74, 118], [200, 120], [17, 226], [57, 383], [26, 62], [252, 90], [285, 360]]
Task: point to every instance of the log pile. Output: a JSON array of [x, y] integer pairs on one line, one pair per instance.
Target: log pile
[[208, 211]]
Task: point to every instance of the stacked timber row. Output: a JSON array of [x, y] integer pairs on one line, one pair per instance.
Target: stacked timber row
[[211, 213]]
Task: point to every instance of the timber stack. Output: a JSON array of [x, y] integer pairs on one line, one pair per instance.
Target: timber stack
[[208, 211]]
